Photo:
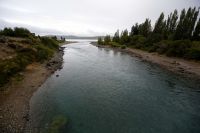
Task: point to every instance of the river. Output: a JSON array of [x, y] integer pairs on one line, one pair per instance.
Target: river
[[100, 90]]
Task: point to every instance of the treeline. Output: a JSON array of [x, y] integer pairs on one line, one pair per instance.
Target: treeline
[[27, 48], [177, 35]]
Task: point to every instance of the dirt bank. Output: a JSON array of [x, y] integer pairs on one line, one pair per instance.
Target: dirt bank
[[14, 101]]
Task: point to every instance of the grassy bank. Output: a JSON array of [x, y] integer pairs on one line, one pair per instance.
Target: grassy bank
[[20, 47]]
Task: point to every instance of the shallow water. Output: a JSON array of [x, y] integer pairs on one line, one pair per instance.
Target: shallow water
[[104, 91]]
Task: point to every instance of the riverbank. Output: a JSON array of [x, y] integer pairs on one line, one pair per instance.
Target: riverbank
[[188, 68], [14, 100]]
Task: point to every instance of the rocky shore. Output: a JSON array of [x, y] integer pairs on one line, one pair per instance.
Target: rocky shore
[[14, 100]]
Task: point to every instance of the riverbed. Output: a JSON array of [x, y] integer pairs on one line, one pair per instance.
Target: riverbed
[[100, 90]]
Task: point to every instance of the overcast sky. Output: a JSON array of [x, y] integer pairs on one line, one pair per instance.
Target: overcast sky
[[84, 17]]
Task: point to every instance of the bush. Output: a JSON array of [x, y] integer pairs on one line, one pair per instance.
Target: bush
[[7, 32], [173, 48], [28, 49], [107, 40], [43, 53], [162, 47], [154, 38], [17, 32], [178, 48], [21, 32], [137, 39], [123, 47], [13, 66], [193, 53], [49, 42], [114, 44]]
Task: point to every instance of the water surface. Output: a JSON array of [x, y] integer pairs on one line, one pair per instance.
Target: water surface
[[104, 91]]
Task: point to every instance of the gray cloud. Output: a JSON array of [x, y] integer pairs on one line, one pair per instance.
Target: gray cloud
[[84, 17]]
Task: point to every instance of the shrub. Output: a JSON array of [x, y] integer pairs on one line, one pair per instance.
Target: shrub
[[114, 44], [154, 38], [107, 40], [123, 47], [17, 32], [43, 53], [178, 48], [137, 39], [161, 47], [12, 66], [49, 42], [193, 53], [7, 32], [21, 32], [36, 49]]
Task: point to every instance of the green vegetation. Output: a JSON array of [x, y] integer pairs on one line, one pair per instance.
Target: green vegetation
[[28, 48], [178, 35], [16, 32], [57, 124], [108, 41]]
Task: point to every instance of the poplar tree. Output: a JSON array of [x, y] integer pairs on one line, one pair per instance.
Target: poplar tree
[[186, 24], [173, 22], [124, 37], [159, 25], [170, 24], [116, 37], [134, 30], [179, 30], [145, 28], [100, 41], [107, 39], [193, 20], [196, 34]]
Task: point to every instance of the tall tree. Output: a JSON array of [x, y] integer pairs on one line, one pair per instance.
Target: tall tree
[[145, 28], [179, 30], [100, 41], [116, 37], [159, 25], [124, 37], [107, 39], [196, 34], [186, 24], [173, 22], [134, 30], [193, 20], [170, 25]]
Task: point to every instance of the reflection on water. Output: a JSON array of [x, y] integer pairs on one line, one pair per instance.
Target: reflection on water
[[104, 91]]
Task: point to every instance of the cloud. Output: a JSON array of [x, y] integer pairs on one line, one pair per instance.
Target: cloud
[[84, 17]]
